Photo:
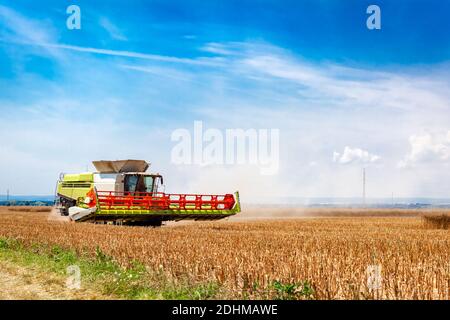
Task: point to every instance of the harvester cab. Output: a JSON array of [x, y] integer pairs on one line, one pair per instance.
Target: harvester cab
[[139, 182], [123, 192]]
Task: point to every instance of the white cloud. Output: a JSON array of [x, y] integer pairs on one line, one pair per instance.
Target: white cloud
[[427, 147], [343, 85], [112, 29], [354, 155], [132, 54], [20, 28], [217, 48]]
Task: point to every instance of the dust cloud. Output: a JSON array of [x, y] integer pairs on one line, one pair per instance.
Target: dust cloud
[[54, 215]]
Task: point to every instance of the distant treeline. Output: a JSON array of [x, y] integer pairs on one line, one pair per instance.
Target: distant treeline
[[29, 203]]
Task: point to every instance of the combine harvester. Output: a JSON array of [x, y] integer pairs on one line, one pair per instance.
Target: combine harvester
[[121, 192]]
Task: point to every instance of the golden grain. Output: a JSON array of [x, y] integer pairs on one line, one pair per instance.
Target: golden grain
[[332, 254]]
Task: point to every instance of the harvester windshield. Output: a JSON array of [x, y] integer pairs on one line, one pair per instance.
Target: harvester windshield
[[131, 182], [140, 183]]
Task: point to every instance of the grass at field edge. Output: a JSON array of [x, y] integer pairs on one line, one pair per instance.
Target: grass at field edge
[[101, 273]]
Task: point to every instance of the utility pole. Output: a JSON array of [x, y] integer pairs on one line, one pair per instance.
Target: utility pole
[[364, 187], [7, 195]]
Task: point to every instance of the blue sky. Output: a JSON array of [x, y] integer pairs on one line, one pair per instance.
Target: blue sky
[[344, 97]]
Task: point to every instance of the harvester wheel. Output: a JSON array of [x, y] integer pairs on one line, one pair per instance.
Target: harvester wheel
[[63, 211], [64, 205]]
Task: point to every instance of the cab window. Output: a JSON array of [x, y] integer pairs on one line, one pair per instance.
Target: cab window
[[148, 183], [131, 182]]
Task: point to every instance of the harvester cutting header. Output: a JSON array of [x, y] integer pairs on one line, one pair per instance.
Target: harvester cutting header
[[122, 192]]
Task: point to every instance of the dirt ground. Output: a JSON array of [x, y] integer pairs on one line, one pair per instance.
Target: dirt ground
[[18, 283]]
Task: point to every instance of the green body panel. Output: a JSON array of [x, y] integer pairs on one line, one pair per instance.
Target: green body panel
[[74, 186], [82, 177], [73, 192], [237, 206]]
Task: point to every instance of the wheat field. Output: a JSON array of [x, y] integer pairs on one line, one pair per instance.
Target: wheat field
[[340, 257]]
